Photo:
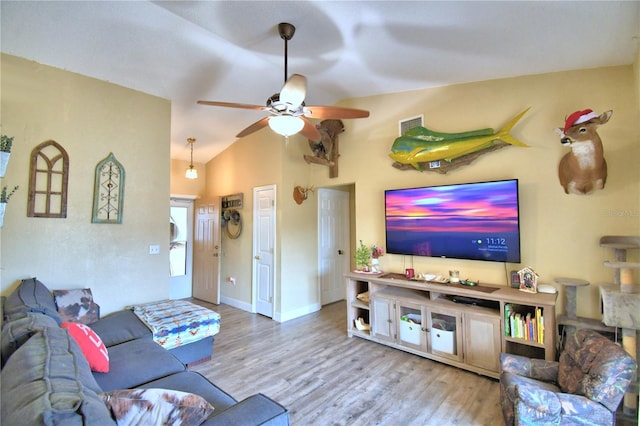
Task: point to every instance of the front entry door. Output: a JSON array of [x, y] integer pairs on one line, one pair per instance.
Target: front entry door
[[264, 231], [206, 259], [333, 243]]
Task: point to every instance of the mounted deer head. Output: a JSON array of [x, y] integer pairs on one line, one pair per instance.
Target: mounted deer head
[[583, 169], [300, 194]]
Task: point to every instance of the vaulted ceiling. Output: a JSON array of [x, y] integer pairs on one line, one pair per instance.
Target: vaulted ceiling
[[231, 51]]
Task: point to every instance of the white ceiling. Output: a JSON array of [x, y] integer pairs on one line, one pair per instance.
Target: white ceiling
[[231, 51]]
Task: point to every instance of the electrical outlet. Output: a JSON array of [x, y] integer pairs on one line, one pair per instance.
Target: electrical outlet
[[154, 249]]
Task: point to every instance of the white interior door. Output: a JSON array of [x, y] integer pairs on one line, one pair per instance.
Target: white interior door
[[181, 248], [264, 231], [206, 258], [333, 243]]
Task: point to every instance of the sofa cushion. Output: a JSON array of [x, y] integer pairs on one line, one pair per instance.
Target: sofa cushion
[[193, 382], [76, 305], [136, 362], [120, 327], [156, 407], [48, 381], [15, 333], [90, 344], [31, 296]]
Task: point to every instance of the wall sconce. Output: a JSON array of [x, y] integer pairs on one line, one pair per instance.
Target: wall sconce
[[286, 125], [192, 172]]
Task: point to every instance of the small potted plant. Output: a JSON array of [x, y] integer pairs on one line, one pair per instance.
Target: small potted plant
[[376, 252], [4, 199], [5, 152], [362, 257]]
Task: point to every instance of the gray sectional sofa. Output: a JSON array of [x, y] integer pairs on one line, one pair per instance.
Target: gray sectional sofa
[[46, 378]]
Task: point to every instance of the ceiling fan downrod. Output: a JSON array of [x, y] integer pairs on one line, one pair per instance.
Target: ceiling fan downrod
[[286, 31]]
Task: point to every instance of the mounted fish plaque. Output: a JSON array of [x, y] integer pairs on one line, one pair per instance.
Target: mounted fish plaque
[[426, 150]]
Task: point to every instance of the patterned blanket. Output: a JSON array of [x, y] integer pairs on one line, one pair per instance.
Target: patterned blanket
[[177, 322]]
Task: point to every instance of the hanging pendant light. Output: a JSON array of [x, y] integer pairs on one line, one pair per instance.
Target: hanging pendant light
[[192, 172]]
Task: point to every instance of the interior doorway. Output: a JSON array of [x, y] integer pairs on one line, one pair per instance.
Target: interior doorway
[[264, 231], [206, 257], [180, 248], [334, 236]]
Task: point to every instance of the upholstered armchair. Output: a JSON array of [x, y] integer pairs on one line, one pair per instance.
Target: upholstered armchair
[[585, 386]]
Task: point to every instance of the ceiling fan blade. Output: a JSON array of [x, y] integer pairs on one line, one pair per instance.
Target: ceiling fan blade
[[264, 122], [310, 131], [325, 112], [234, 105], [294, 90]]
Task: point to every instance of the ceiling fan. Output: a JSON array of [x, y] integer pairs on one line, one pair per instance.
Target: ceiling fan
[[288, 113]]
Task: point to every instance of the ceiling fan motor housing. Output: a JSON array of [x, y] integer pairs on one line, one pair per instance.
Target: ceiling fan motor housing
[[284, 108]]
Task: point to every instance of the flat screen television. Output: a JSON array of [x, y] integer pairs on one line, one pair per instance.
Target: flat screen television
[[476, 221]]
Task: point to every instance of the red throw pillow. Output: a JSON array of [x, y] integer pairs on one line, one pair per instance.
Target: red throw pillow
[[91, 345]]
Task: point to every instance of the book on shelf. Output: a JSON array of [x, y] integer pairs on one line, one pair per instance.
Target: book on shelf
[[524, 323]]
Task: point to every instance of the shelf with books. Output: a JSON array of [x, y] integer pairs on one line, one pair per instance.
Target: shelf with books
[[529, 329], [524, 323]]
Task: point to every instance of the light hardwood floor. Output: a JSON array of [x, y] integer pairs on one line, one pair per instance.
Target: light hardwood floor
[[323, 377]]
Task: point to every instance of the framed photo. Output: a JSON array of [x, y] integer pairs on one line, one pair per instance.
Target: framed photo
[[528, 280], [515, 279]]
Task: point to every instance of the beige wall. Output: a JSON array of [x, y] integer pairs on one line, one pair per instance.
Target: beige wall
[[250, 162], [560, 232], [90, 119]]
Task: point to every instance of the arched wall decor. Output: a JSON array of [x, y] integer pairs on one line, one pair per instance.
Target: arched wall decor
[[108, 192], [48, 181]]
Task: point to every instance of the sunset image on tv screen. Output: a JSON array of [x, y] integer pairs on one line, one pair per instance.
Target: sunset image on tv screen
[[466, 221]]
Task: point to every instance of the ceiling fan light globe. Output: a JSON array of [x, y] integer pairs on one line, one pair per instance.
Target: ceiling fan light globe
[[286, 125]]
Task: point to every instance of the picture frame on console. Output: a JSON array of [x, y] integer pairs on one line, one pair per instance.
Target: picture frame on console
[[528, 280]]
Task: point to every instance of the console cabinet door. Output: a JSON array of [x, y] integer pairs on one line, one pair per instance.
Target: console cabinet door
[[412, 319], [445, 337], [382, 322], [482, 340]]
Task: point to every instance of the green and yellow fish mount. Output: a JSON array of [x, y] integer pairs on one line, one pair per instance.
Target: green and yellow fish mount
[[421, 145]]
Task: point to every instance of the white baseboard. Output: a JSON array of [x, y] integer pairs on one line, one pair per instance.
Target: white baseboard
[[286, 316], [278, 316], [236, 303]]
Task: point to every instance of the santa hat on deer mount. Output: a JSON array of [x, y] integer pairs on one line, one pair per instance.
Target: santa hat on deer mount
[[579, 117]]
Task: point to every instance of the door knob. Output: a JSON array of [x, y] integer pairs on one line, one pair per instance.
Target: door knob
[[340, 252], [257, 257]]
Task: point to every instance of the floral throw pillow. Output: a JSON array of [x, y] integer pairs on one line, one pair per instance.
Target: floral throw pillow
[[156, 407], [77, 305]]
